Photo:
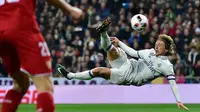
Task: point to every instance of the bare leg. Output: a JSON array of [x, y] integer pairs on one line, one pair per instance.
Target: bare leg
[[45, 101], [101, 72], [112, 51]]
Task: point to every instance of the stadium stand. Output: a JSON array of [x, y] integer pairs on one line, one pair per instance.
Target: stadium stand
[[76, 45]]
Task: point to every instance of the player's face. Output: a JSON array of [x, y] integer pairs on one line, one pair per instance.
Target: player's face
[[160, 48]]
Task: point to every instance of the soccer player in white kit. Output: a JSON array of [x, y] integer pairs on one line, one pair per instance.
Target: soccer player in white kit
[[151, 63]]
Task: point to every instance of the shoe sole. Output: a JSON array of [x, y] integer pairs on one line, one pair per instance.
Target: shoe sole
[[61, 69], [104, 24]]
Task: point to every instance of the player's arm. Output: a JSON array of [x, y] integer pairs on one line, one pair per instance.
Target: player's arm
[[174, 88], [138, 54], [76, 13], [168, 71], [128, 50]]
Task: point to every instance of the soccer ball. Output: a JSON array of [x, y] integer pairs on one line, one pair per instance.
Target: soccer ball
[[139, 22]]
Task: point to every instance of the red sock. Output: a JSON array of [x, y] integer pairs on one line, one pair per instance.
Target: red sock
[[45, 102], [11, 101]]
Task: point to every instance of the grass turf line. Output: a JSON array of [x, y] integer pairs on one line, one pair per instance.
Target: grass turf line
[[114, 108]]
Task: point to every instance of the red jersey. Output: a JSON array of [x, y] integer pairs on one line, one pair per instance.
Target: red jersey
[[18, 14], [22, 46]]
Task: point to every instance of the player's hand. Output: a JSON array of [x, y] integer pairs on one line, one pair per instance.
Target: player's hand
[[76, 14], [114, 40], [180, 105]]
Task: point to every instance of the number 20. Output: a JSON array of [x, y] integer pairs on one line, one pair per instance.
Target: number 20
[[2, 2], [44, 49]]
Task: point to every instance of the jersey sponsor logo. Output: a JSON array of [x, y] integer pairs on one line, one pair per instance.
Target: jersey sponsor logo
[[150, 66]]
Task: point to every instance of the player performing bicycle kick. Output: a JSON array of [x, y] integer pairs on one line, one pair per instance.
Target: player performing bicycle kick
[[151, 63]]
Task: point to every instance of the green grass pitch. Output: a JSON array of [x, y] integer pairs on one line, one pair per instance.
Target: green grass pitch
[[114, 108]]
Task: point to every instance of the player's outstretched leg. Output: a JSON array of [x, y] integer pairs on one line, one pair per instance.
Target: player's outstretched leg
[[106, 44], [99, 71], [105, 40], [86, 75], [14, 96]]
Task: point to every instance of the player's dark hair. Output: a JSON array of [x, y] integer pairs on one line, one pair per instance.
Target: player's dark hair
[[169, 44]]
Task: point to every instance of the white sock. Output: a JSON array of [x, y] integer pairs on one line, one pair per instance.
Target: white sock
[[105, 41], [86, 75]]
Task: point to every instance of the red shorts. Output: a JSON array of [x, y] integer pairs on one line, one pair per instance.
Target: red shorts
[[25, 51]]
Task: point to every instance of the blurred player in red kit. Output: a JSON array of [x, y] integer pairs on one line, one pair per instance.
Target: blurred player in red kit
[[25, 53]]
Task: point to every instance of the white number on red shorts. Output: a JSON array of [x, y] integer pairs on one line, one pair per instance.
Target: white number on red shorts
[[44, 49], [2, 2]]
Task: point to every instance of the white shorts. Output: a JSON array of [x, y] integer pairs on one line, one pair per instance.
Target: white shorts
[[121, 68]]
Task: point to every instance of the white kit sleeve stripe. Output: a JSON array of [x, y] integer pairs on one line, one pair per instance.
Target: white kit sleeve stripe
[[138, 54], [171, 77]]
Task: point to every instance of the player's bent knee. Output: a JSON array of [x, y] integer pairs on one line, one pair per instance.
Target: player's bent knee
[[21, 82], [97, 71], [101, 72], [113, 54]]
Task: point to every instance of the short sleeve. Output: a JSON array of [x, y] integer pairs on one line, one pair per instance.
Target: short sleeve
[[145, 53]]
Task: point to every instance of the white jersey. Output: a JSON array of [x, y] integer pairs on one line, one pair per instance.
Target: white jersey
[[139, 72], [149, 66], [126, 71]]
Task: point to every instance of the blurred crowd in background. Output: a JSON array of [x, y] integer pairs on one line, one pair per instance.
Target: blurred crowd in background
[[77, 45]]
